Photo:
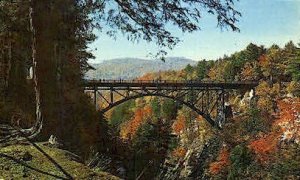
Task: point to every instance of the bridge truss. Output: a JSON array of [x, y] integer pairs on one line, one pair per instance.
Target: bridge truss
[[205, 98]]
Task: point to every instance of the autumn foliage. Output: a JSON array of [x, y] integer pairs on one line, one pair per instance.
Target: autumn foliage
[[287, 127], [179, 152], [289, 119], [264, 128], [179, 125], [264, 147], [129, 128], [221, 163]]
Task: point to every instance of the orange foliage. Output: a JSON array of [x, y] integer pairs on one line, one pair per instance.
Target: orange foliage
[[222, 161], [129, 129], [265, 146], [179, 152], [147, 111], [179, 125]]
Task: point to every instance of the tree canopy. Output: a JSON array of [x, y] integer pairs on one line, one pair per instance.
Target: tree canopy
[[154, 20]]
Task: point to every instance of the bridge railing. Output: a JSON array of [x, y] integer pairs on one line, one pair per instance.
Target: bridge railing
[[167, 81]]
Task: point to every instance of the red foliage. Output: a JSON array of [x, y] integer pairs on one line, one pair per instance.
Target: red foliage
[[222, 161]]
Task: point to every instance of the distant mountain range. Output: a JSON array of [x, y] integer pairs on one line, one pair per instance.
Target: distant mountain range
[[130, 68]]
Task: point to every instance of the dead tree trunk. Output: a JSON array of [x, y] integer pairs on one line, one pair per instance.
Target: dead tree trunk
[[35, 130], [9, 59]]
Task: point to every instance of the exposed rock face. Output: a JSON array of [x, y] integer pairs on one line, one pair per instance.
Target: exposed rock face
[[193, 165], [106, 163], [246, 100]]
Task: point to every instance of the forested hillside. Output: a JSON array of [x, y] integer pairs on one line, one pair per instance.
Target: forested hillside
[[260, 141], [130, 68]]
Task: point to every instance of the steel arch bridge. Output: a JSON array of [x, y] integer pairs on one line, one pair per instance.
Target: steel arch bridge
[[207, 98]]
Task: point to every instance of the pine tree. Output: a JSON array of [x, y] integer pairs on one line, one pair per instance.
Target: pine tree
[[294, 62]]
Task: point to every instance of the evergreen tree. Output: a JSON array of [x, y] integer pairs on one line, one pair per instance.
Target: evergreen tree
[[152, 142], [168, 109], [293, 56], [122, 113], [15, 59], [156, 107], [202, 69]]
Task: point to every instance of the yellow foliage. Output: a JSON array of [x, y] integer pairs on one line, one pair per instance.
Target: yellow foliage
[[262, 89], [293, 87], [267, 96], [216, 73], [265, 103], [249, 72]]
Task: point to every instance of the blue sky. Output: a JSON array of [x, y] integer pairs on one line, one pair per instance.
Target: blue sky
[[263, 22]]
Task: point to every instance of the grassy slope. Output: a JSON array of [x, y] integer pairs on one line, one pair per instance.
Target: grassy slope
[[14, 165]]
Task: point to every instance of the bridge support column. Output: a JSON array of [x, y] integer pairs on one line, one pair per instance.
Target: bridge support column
[[95, 97], [111, 95]]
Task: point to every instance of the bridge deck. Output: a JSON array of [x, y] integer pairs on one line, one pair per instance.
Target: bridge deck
[[91, 84]]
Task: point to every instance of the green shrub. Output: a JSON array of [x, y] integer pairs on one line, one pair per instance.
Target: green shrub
[[240, 159], [255, 123]]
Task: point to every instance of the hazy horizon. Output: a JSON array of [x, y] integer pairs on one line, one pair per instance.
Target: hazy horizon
[[98, 61], [146, 59]]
